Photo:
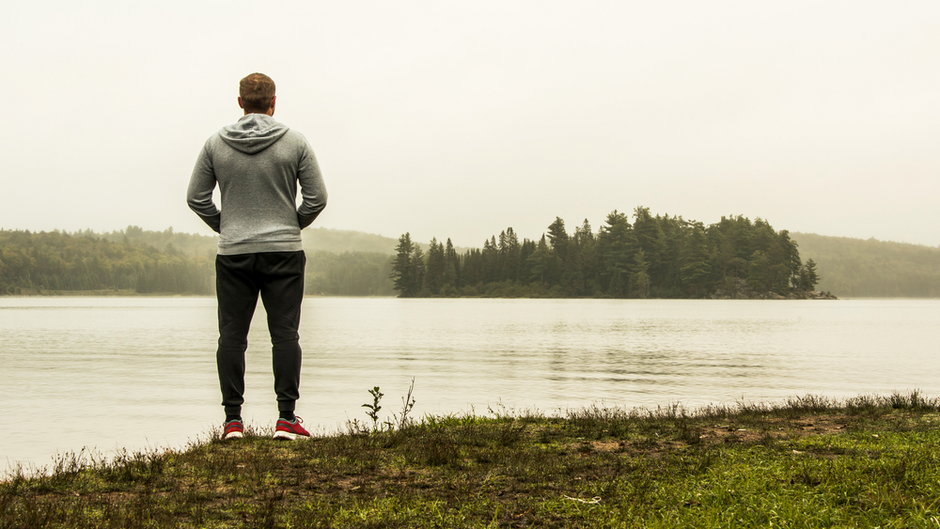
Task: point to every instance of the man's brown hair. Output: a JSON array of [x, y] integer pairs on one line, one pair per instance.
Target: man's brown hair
[[256, 91]]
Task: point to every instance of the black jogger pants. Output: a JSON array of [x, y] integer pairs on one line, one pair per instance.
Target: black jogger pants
[[279, 278]]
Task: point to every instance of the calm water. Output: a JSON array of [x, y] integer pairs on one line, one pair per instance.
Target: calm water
[[107, 373]]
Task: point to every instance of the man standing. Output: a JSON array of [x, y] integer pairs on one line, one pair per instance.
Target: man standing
[[257, 163]]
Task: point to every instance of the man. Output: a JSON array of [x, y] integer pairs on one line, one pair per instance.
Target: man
[[257, 163]]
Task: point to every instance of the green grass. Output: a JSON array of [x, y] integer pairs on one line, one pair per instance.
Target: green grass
[[811, 462]]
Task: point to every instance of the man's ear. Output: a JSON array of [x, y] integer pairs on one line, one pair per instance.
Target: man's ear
[[271, 106], [240, 104]]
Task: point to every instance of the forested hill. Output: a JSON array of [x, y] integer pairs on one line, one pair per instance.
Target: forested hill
[[137, 261], [649, 256], [315, 240], [341, 241], [872, 268], [58, 262]]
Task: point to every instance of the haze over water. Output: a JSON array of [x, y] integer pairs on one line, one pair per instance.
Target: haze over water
[[113, 373]]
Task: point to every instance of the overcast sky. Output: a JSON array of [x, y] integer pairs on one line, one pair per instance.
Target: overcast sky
[[457, 119]]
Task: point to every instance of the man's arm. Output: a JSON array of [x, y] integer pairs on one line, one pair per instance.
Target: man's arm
[[312, 189], [199, 194]]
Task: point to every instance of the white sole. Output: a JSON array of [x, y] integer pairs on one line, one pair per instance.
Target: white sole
[[287, 436], [232, 435]]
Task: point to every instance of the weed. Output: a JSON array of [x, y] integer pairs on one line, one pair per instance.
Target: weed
[[408, 403], [398, 421], [373, 409]]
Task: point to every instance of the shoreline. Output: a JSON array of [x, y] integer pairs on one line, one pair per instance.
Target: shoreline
[[133, 294], [809, 461]]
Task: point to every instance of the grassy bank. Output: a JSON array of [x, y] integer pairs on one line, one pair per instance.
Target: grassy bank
[[811, 462]]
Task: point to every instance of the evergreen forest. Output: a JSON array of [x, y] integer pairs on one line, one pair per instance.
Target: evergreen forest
[[657, 256]]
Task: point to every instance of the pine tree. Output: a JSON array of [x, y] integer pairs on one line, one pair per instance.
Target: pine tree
[[694, 264], [434, 274], [490, 261], [509, 255], [556, 274], [451, 270], [558, 237], [540, 261], [418, 269], [651, 239], [404, 268], [616, 244], [808, 276], [585, 260]]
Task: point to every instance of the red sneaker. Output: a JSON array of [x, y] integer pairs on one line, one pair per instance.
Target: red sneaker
[[290, 431], [232, 430]]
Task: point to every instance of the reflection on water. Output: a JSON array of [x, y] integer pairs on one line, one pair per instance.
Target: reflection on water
[[139, 372]]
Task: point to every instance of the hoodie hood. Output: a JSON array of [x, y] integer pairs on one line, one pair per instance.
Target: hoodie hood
[[253, 133]]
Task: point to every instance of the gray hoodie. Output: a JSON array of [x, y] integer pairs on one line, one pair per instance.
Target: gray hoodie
[[257, 164]]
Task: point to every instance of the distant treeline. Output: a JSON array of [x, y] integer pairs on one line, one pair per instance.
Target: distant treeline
[[652, 257], [349, 274], [162, 262], [353, 263], [872, 268], [57, 261]]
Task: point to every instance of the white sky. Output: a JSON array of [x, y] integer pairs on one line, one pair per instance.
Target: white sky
[[457, 119]]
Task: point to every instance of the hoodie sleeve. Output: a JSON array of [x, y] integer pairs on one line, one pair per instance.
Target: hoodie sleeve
[[199, 194], [312, 189]]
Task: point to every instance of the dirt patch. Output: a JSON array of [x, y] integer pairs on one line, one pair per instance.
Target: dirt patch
[[777, 428], [774, 428], [607, 446]]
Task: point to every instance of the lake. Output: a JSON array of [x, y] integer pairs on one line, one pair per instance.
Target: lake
[[106, 373]]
